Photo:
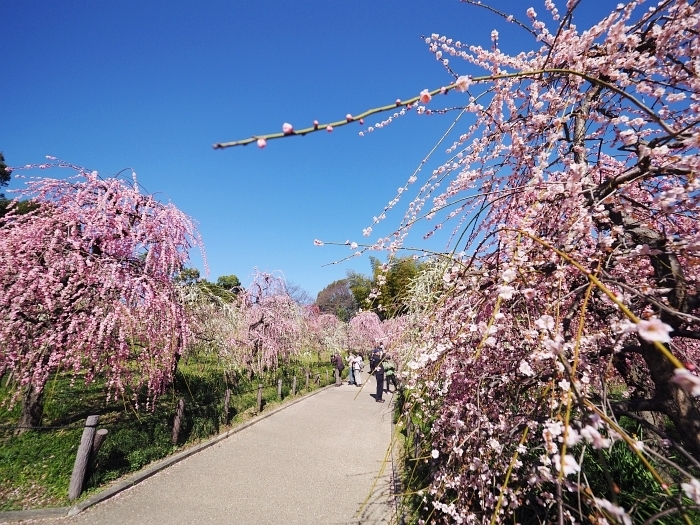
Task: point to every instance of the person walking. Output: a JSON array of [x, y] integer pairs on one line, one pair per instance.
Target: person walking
[[390, 372], [351, 376], [379, 376], [357, 366], [339, 365], [375, 356]]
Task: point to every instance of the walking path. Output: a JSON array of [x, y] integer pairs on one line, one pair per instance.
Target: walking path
[[315, 462]]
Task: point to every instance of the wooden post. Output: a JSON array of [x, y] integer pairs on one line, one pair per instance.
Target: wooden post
[[318, 379], [279, 388], [260, 387], [294, 386], [82, 458], [100, 437], [326, 376], [307, 379], [179, 412], [337, 377], [227, 400]]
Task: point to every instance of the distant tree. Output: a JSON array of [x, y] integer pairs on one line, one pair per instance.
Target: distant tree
[[361, 287], [337, 298], [298, 294], [365, 331], [20, 207], [230, 283], [391, 284], [4, 174], [273, 323], [187, 276], [218, 291]]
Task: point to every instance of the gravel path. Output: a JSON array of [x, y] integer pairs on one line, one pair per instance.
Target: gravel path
[[315, 462]]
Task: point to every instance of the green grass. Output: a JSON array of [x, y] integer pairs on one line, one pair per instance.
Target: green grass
[[35, 467]]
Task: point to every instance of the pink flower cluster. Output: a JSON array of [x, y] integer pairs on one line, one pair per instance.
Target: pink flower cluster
[[574, 190]]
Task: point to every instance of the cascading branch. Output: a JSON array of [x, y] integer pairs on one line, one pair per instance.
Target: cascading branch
[[578, 184], [575, 317], [86, 287]]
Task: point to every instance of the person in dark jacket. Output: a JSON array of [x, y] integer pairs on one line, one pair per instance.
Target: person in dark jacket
[[339, 365], [379, 375], [375, 356]]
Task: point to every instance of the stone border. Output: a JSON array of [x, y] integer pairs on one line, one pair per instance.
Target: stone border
[[138, 477]]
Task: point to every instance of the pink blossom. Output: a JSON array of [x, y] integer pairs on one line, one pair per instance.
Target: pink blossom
[[617, 513], [692, 490], [509, 275], [287, 128], [318, 242], [529, 293], [687, 380], [568, 464], [654, 330], [505, 292], [594, 437], [329, 128], [462, 83], [545, 322], [425, 96], [261, 143], [526, 369]]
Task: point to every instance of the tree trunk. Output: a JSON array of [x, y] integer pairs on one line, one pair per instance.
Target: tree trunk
[[32, 408], [678, 404]]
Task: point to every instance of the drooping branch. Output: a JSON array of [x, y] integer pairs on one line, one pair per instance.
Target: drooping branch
[[462, 84]]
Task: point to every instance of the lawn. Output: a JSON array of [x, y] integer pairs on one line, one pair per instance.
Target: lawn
[[35, 467]]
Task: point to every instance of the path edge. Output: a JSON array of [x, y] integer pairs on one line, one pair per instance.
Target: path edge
[[145, 473]]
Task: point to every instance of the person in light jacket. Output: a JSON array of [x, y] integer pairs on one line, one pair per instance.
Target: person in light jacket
[[351, 376], [357, 366]]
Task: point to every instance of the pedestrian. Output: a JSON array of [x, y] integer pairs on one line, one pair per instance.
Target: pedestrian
[[379, 377], [357, 366], [390, 372], [375, 356], [339, 365], [351, 377]]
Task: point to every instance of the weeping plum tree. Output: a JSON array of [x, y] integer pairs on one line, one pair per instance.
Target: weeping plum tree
[[575, 189], [86, 287], [365, 330]]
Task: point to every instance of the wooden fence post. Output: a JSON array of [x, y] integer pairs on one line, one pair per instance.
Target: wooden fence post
[[326, 376], [260, 388], [337, 377], [279, 388], [227, 400], [179, 412], [307, 379], [82, 458], [100, 437], [294, 386], [318, 379]]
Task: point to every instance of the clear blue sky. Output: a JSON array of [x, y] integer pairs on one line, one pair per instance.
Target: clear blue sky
[[152, 84]]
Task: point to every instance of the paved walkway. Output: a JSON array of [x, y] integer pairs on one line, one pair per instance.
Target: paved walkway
[[315, 462]]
